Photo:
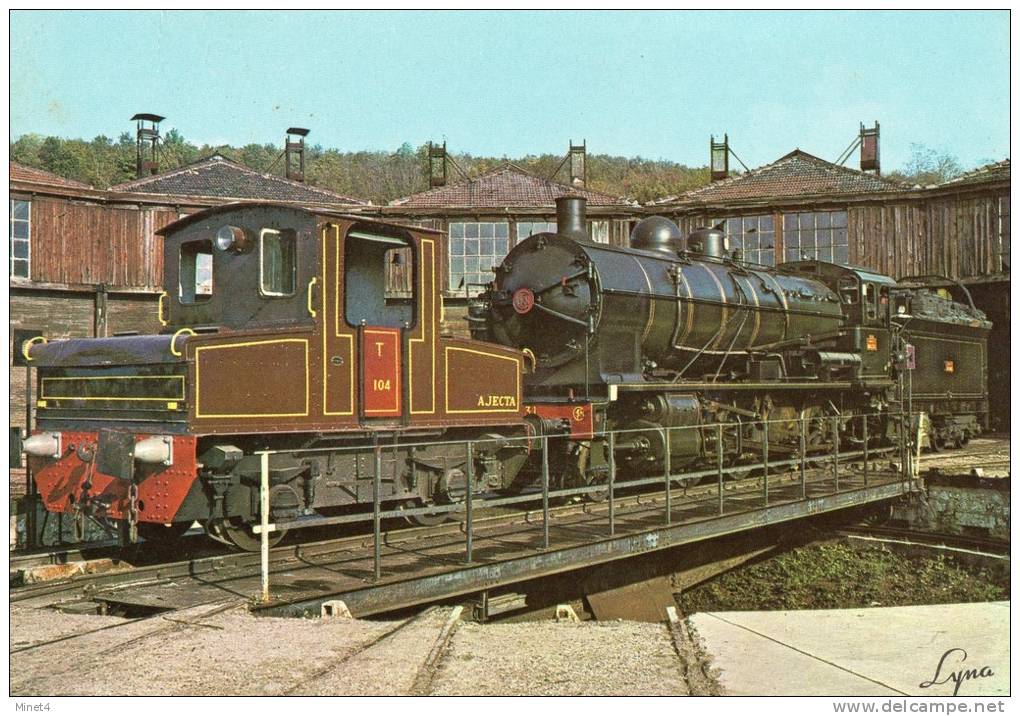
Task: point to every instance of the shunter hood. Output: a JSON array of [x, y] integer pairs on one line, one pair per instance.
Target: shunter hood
[[121, 350]]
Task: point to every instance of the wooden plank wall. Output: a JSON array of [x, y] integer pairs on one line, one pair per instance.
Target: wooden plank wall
[[81, 243], [951, 236]]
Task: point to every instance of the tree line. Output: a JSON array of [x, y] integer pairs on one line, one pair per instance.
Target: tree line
[[382, 176]]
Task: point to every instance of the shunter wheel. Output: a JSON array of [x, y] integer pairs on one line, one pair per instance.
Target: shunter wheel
[[240, 535]]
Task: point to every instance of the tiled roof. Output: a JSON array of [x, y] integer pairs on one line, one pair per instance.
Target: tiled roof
[[19, 172], [990, 172], [218, 177], [506, 186], [794, 175]]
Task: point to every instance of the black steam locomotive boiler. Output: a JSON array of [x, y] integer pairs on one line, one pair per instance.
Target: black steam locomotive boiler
[[673, 333]]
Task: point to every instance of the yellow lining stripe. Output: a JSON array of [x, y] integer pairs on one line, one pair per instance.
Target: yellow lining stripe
[[325, 316], [198, 383], [651, 303], [50, 396], [428, 335], [512, 359]]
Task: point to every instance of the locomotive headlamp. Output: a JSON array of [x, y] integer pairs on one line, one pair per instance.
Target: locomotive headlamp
[[230, 238]]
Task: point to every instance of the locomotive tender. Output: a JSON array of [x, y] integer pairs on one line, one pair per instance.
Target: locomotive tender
[[280, 333]]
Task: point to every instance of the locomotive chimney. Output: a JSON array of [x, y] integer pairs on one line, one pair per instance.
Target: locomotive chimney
[[570, 217], [870, 161], [295, 153]]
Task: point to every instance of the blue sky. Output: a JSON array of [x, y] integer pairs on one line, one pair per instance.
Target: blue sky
[[649, 84]]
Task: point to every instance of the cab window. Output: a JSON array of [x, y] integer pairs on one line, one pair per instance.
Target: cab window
[[870, 301], [277, 262], [195, 272], [373, 294]]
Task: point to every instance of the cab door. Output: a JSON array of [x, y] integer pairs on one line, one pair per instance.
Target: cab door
[[381, 389], [380, 305]]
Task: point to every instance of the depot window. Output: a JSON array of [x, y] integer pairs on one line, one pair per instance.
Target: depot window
[[816, 236], [196, 271], [475, 247], [18, 246], [755, 236], [277, 262]]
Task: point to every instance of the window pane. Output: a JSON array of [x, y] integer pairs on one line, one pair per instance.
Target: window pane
[[19, 267], [822, 220], [277, 270], [456, 265], [792, 254], [768, 257], [766, 223], [20, 249], [486, 247], [523, 230], [457, 247], [195, 272], [471, 230], [840, 237], [470, 247], [502, 246], [457, 230], [20, 209], [807, 222], [789, 222], [19, 229], [750, 222], [486, 230], [502, 230], [471, 265], [842, 254], [838, 218], [792, 241]]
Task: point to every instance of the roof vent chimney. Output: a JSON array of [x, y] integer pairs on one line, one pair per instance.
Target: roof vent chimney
[[869, 150], [719, 153], [295, 153], [437, 165], [146, 135], [579, 164]]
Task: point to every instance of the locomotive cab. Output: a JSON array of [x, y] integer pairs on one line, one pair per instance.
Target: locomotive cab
[[238, 268]]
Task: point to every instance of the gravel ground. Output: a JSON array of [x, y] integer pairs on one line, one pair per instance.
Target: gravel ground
[[989, 454], [228, 653], [543, 658], [235, 653]]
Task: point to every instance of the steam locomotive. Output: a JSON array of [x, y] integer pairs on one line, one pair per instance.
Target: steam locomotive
[[281, 333]]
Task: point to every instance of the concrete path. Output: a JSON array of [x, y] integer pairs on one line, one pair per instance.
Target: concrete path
[[877, 651]]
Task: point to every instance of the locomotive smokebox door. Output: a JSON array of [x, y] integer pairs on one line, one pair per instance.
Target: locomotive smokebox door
[[115, 455]]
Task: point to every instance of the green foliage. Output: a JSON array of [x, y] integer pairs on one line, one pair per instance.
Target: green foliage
[[928, 166], [836, 576], [378, 176]]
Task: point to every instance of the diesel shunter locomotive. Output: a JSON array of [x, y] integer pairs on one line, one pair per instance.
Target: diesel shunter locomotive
[[282, 333]]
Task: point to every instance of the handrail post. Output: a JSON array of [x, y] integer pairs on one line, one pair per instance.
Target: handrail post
[[264, 518], [545, 492], [765, 459], [669, 479], [612, 483], [803, 458], [835, 452], [864, 434], [376, 521], [468, 501], [718, 462]]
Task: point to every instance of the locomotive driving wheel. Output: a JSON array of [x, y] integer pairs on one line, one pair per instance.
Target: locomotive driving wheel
[[238, 534], [426, 520]]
